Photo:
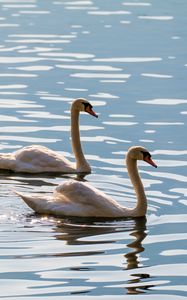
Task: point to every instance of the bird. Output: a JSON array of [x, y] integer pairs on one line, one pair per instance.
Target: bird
[[80, 199], [40, 159]]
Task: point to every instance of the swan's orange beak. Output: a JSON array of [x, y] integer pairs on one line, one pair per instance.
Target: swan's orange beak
[[90, 111], [150, 161]]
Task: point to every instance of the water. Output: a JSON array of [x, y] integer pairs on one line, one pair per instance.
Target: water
[[129, 59]]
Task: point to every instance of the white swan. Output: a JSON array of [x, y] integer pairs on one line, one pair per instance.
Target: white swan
[[38, 159], [74, 198]]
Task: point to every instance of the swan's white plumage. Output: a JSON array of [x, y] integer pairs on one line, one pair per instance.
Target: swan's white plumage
[[39, 159], [36, 159], [74, 198]]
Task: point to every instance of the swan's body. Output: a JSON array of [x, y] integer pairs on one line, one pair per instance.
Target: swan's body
[[73, 198], [38, 159]]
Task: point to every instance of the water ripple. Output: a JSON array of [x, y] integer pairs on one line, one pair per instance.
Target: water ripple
[[68, 54], [156, 75], [18, 75], [163, 101], [52, 128], [16, 60], [137, 4], [12, 103], [157, 18], [109, 13], [89, 68], [100, 75], [128, 59]]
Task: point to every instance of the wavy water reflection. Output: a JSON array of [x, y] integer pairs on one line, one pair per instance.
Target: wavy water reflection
[[72, 277]]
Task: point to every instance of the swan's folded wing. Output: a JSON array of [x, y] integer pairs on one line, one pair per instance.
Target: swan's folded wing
[[85, 200], [36, 158], [82, 192]]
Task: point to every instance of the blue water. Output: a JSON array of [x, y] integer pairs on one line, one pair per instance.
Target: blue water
[[129, 60]]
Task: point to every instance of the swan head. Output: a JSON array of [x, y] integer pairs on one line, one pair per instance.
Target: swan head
[[141, 153], [82, 104]]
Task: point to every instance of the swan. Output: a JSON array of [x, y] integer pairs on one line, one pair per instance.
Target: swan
[[39, 159], [80, 199]]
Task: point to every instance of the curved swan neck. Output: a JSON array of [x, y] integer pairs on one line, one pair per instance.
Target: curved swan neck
[[81, 163], [141, 206]]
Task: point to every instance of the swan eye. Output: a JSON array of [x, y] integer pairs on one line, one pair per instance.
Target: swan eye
[[88, 109], [146, 154], [86, 105]]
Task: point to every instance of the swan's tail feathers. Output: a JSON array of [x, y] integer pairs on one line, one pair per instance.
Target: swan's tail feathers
[[35, 202], [7, 161]]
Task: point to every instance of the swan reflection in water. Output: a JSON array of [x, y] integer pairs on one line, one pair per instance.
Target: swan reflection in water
[[77, 232], [132, 257]]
